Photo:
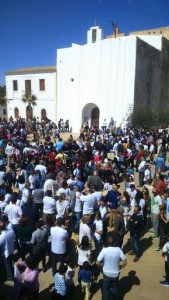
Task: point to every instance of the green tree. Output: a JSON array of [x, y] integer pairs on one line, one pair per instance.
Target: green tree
[[2, 95], [30, 99], [143, 118]]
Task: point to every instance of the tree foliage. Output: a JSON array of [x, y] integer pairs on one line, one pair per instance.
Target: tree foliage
[[146, 118], [30, 99], [2, 95]]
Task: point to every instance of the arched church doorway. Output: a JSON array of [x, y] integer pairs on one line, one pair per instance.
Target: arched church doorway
[[95, 116], [16, 113], [29, 112], [90, 114]]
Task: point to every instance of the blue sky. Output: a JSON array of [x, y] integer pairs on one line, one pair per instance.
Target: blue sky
[[32, 30]]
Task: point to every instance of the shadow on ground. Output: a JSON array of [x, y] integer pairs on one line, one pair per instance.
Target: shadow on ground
[[126, 283]]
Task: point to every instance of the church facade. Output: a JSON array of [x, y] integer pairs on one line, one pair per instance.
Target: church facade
[[97, 81]]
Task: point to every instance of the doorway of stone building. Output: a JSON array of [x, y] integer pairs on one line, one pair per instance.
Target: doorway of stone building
[[16, 113], [29, 112], [90, 114]]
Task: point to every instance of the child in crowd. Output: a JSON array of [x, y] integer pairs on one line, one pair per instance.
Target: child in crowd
[[85, 277], [69, 276], [60, 289]]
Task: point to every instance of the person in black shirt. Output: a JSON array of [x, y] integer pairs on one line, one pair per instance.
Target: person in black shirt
[[135, 224]]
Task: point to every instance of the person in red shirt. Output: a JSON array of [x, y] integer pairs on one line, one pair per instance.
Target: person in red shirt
[[161, 185]]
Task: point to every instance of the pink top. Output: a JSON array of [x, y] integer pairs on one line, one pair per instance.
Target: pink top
[[30, 277]]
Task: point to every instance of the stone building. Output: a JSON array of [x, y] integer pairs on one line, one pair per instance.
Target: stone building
[[163, 31]]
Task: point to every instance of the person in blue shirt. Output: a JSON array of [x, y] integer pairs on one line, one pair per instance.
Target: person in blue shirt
[[60, 289], [85, 277], [112, 199]]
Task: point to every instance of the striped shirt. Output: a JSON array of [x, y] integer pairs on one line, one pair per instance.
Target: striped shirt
[[60, 284]]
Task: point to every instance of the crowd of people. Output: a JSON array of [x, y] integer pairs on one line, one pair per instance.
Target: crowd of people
[[53, 190]]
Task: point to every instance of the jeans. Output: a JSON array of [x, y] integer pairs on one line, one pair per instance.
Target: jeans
[[55, 259], [155, 221], [134, 237], [76, 221], [9, 266], [111, 288], [98, 245], [141, 177], [167, 270]]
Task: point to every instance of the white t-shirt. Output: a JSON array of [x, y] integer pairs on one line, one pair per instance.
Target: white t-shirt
[[25, 194], [83, 255], [61, 207], [2, 175], [41, 168], [84, 230], [89, 203], [64, 191], [58, 240], [103, 211], [110, 257], [78, 203], [142, 166], [99, 226], [49, 205], [155, 202], [13, 212]]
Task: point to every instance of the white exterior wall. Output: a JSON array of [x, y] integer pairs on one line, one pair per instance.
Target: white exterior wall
[[103, 74], [45, 99]]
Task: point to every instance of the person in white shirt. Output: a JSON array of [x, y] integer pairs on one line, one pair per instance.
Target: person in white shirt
[[62, 207], [76, 206], [25, 194], [9, 151], [147, 173], [41, 168], [84, 251], [141, 169], [58, 244], [49, 205], [151, 150], [98, 224], [103, 212], [89, 202], [2, 175], [7, 247], [51, 184], [109, 258], [13, 212], [84, 228]]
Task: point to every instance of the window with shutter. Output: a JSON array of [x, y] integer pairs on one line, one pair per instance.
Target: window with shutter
[[42, 84]]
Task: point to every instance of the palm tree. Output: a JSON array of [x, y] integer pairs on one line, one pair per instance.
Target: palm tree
[[30, 99], [3, 95]]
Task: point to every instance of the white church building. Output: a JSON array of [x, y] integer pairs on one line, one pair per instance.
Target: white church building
[[95, 81]]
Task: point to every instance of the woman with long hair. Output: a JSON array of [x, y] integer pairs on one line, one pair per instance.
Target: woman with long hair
[[84, 251]]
